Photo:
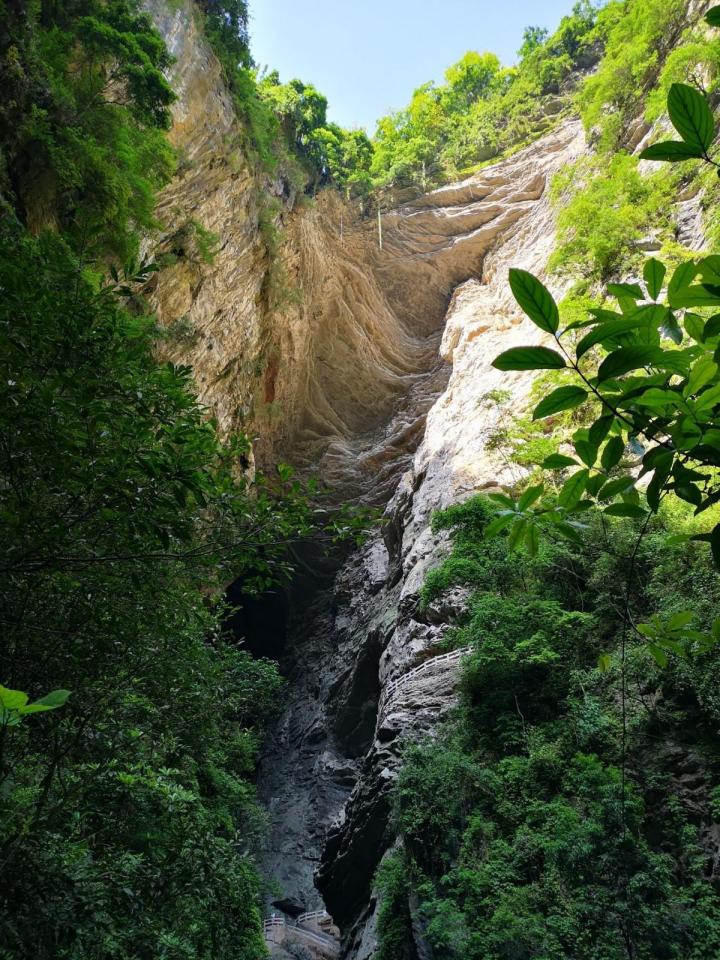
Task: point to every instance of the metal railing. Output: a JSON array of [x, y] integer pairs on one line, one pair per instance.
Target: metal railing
[[394, 685], [314, 915], [293, 931]]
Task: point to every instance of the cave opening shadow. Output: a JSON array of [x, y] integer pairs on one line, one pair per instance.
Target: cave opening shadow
[[262, 623], [259, 622]]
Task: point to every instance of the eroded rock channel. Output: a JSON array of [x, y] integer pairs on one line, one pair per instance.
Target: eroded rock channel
[[375, 377], [331, 759]]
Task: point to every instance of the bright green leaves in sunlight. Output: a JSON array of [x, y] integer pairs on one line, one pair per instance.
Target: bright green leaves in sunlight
[[648, 394], [14, 704], [654, 274], [538, 303], [648, 372], [691, 116], [564, 398], [535, 300], [529, 358], [646, 391]]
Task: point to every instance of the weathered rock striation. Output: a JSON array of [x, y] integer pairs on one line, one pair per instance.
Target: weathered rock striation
[[325, 350], [372, 369], [336, 749]]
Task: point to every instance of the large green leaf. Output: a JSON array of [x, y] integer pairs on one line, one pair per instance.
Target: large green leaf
[[657, 398], [558, 461], [586, 450], [615, 487], [654, 274], [529, 358], [499, 523], [626, 359], [564, 398], [12, 699], [710, 269], [612, 453], [703, 371], [535, 299], [598, 430], [712, 327], [695, 326], [529, 496], [695, 295], [713, 16], [632, 290], [607, 331], [54, 699], [683, 276], [691, 116], [516, 534], [573, 489], [672, 151], [625, 510]]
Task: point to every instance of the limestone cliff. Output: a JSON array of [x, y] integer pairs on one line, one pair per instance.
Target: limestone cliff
[[372, 369], [337, 746], [369, 366], [326, 350]]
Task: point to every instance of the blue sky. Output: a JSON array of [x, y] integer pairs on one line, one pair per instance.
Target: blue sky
[[367, 56]]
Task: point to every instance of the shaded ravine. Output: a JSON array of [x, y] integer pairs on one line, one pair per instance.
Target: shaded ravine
[[332, 756]]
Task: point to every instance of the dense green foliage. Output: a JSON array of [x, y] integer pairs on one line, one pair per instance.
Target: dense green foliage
[[83, 111], [656, 392], [546, 821], [639, 36], [520, 836], [287, 123], [649, 45], [128, 819], [332, 155], [616, 204], [483, 109], [129, 823]]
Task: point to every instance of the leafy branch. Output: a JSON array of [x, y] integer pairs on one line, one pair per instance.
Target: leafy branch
[[651, 364]]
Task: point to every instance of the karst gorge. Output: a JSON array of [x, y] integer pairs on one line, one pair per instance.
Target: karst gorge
[[359, 495]]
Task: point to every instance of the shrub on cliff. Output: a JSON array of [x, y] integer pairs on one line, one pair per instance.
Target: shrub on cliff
[[85, 103]]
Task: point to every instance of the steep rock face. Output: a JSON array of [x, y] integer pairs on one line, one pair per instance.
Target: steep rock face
[[370, 367], [304, 347], [211, 311], [326, 350], [336, 748]]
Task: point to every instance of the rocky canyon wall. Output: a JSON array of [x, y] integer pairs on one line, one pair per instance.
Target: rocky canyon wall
[[372, 369], [339, 742]]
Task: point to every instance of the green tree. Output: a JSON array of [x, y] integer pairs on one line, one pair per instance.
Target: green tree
[[470, 79], [128, 817], [533, 37], [528, 826], [85, 104], [656, 391]]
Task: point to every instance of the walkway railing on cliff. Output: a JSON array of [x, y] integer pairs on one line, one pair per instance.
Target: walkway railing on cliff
[[394, 685], [278, 930]]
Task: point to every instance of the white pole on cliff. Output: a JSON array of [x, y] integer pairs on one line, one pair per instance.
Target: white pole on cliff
[[379, 227]]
